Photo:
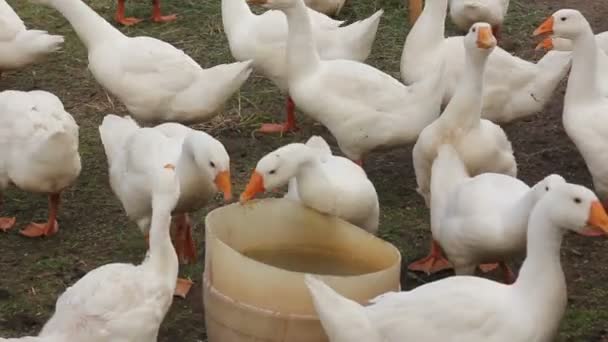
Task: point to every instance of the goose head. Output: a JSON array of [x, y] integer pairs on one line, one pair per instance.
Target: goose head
[[480, 39], [273, 171], [576, 208], [565, 23], [544, 186], [212, 159]]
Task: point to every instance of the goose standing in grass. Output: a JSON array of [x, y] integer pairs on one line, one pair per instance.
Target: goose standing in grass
[[481, 220], [482, 145], [364, 108], [513, 88], [38, 151], [123, 302], [585, 114], [465, 13], [201, 163], [263, 39], [154, 80], [20, 47], [466, 308], [329, 184], [157, 16]]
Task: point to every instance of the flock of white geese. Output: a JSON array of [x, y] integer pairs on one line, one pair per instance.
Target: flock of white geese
[[481, 214]]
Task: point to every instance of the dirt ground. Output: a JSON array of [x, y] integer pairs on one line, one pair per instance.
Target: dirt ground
[[94, 230]]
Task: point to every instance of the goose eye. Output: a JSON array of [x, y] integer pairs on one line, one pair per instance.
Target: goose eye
[[563, 18], [546, 188], [272, 172], [212, 164], [474, 29], [577, 200]]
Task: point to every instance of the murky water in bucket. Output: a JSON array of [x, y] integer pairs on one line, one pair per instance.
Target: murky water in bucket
[[310, 260]]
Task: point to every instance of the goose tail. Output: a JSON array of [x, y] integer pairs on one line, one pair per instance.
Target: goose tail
[[343, 319], [319, 144], [360, 35], [114, 132]]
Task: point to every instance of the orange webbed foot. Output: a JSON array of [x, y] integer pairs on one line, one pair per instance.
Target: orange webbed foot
[[128, 21], [182, 287], [6, 223], [34, 230], [282, 128], [164, 18], [430, 264], [433, 263]]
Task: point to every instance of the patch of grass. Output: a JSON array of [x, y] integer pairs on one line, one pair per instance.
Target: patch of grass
[[93, 227]]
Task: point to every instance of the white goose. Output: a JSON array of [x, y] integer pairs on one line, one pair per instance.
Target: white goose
[[329, 184], [482, 145], [156, 81], [263, 39], [38, 151], [482, 219], [123, 302], [364, 108], [465, 308], [19, 46], [514, 88], [465, 13], [202, 166], [585, 105]]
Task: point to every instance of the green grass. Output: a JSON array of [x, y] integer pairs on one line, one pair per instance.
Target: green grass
[[94, 230]]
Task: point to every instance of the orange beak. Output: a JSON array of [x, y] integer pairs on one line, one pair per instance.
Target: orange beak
[[255, 186], [257, 2], [485, 38], [546, 27], [222, 181], [169, 166], [598, 220], [545, 44]]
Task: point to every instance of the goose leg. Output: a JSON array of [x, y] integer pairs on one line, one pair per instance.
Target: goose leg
[[48, 228], [120, 15], [157, 15], [287, 126], [184, 243], [414, 9], [182, 286], [6, 223], [432, 263], [508, 274]]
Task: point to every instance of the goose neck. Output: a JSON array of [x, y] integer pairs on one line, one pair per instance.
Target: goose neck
[[541, 282], [90, 27], [583, 81], [464, 110], [302, 55], [162, 255], [233, 14]]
